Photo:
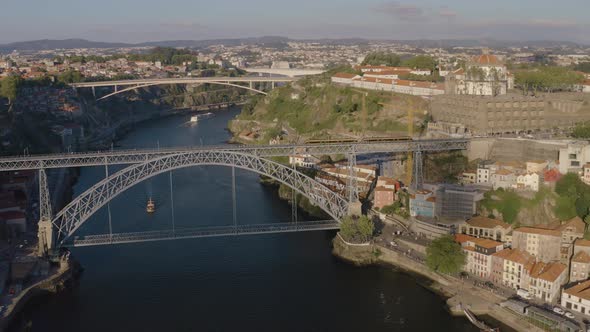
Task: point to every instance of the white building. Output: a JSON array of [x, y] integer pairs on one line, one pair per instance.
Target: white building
[[503, 178], [572, 158], [529, 181], [577, 298], [485, 75], [303, 160]]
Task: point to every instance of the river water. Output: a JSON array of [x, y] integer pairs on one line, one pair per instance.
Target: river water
[[282, 282]]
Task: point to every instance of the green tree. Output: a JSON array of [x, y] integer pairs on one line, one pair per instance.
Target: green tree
[[9, 87], [357, 230], [583, 67], [420, 62], [70, 76], [582, 130], [444, 255], [382, 59]]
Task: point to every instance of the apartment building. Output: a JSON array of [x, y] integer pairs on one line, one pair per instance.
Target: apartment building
[[577, 298], [543, 244], [478, 253], [488, 228], [546, 279]]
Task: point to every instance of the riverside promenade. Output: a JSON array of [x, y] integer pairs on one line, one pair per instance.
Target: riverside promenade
[[50, 284], [458, 291]]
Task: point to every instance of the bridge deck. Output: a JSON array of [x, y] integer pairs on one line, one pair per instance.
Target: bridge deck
[[126, 157], [200, 232], [187, 80]]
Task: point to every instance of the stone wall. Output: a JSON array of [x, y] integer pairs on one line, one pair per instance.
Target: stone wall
[[506, 149]]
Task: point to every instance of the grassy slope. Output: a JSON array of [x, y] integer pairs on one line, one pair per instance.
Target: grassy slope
[[314, 107]]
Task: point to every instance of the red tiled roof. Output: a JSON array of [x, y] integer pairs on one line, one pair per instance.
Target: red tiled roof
[[487, 59], [484, 222], [345, 75], [547, 271], [540, 231], [581, 290]]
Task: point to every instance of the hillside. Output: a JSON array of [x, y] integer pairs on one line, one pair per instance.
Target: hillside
[[315, 108]]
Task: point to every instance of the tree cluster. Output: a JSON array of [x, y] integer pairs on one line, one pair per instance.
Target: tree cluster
[[583, 67], [382, 59], [547, 79], [574, 197], [582, 130], [357, 229], [444, 255]]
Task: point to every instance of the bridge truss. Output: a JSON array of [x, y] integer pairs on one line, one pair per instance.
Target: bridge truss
[[70, 218], [129, 157]]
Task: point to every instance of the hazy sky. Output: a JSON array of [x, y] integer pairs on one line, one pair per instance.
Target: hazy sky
[[152, 20]]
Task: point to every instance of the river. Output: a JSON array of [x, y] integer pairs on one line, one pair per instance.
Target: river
[[282, 282]]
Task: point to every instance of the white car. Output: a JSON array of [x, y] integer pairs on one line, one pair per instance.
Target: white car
[[558, 310], [569, 315]]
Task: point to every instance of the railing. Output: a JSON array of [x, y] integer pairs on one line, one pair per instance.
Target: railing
[[200, 232]]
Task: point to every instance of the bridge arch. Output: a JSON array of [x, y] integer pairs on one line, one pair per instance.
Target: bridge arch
[[71, 217], [166, 83]]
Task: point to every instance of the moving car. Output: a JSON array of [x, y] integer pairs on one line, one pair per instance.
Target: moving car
[[569, 315]]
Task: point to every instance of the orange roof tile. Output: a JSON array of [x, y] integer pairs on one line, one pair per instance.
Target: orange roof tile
[[484, 222], [486, 59], [344, 75], [540, 231], [576, 222], [581, 290], [582, 243], [547, 271], [581, 257]]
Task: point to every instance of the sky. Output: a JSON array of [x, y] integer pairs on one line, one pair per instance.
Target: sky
[[153, 20]]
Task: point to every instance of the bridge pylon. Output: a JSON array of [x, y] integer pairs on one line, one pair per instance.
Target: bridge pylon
[[45, 231]]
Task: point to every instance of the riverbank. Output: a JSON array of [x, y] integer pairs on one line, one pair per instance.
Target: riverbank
[[54, 283], [455, 291]]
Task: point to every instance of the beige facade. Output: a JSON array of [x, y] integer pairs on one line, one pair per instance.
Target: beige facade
[[544, 244], [511, 113], [486, 228], [478, 254], [579, 266], [513, 266], [577, 298], [546, 279]]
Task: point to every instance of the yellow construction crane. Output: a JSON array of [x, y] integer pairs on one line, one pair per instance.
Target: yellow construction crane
[[410, 158]]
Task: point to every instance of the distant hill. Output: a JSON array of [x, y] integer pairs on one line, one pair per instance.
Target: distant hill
[[272, 41], [50, 44]]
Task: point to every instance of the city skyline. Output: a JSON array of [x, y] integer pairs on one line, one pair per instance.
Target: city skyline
[[182, 19]]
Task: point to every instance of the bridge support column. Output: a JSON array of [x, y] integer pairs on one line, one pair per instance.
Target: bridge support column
[[355, 206], [418, 180], [116, 88], [94, 92], [272, 84], [45, 231]]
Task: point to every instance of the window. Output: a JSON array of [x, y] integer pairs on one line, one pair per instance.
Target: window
[[573, 156]]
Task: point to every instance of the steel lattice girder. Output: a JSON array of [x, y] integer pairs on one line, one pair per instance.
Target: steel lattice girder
[[199, 232], [69, 219], [128, 157]]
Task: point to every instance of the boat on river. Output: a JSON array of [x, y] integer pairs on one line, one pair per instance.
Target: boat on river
[[151, 206]]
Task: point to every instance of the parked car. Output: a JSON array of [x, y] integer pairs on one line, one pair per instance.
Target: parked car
[[490, 284], [569, 315], [393, 243], [524, 294], [558, 310]]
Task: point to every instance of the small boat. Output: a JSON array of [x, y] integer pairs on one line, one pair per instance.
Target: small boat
[[195, 118], [151, 206]]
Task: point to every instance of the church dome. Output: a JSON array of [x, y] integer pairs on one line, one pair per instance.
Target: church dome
[[486, 60]]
